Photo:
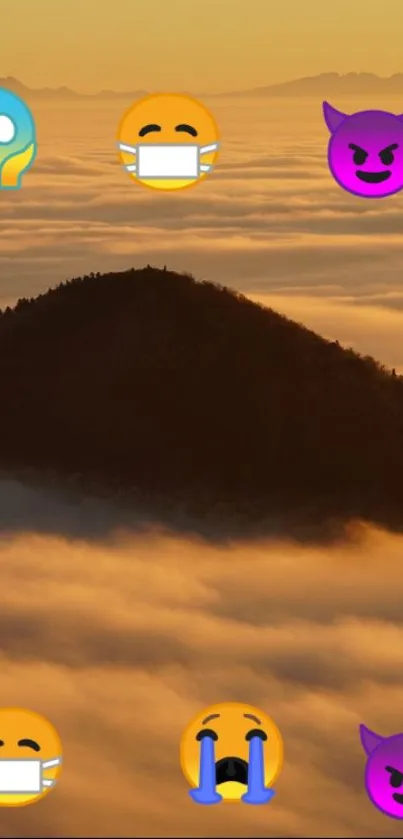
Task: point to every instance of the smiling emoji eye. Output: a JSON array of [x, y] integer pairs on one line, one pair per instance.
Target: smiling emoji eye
[[396, 777], [30, 744], [386, 155], [359, 156]]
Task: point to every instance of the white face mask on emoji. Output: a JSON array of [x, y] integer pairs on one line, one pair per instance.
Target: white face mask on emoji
[[25, 776], [181, 162]]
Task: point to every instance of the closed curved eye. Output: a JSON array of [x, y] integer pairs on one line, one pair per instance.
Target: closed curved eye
[[359, 156], [396, 777], [386, 155], [188, 129], [148, 129], [31, 744]]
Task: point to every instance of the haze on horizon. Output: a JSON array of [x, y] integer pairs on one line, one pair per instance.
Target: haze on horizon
[[100, 44]]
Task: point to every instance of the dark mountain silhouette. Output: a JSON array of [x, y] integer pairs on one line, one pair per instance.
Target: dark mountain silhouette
[[149, 380], [323, 86]]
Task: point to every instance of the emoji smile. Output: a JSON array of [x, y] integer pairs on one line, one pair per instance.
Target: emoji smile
[[372, 177], [231, 769], [398, 797]]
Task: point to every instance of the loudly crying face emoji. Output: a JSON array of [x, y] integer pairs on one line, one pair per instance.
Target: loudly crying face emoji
[[384, 771], [365, 151], [231, 752]]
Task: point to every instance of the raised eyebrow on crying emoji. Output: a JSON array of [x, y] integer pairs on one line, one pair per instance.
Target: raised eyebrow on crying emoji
[[231, 752]]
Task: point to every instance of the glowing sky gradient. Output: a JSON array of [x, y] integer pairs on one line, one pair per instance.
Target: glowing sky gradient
[[212, 45]]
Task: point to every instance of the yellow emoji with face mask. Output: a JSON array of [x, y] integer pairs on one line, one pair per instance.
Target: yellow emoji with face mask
[[168, 141], [30, 757], [231, 752]]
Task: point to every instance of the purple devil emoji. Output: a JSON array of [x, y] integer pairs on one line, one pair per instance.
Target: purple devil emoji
[[365, 151], [384, 771]]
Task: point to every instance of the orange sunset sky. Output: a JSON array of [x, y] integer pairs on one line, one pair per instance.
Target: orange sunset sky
[[115, 630], [211, 45]]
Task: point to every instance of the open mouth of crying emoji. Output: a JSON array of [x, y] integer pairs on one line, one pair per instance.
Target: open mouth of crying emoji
[[231, 752]]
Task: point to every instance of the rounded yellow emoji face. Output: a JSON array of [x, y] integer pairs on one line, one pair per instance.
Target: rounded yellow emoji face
[[231, 752], [168, 141], [30, 757]]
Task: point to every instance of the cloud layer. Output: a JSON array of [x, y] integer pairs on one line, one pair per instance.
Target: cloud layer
[[121, 644], [270, 220]]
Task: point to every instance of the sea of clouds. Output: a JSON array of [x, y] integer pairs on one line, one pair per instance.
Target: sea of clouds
[[120, 640], [118, 632], [269, 221]]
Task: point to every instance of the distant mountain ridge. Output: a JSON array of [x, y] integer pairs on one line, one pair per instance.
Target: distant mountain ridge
[[153, 382], [324, 86], [62, 93]]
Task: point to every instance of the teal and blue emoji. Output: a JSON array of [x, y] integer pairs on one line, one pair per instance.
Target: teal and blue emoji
[[18, 145]]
